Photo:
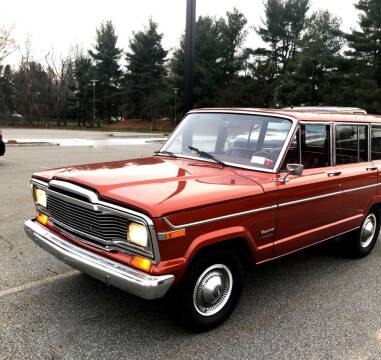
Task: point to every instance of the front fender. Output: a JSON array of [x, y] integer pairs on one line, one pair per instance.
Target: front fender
[[218, 236]]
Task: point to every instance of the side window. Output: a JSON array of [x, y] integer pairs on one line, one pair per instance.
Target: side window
[[316, 146], [376, 142], [310, 147], [351, 144], [293, 154]]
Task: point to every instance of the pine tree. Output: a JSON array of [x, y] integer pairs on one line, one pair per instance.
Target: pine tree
[[146, 72], [209, 73], [106, 56], [282, 31], [316, 66], [7, 90], [84, 73], [365, 54]]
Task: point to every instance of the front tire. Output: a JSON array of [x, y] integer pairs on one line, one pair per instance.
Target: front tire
[[362, 241], [210, 290]]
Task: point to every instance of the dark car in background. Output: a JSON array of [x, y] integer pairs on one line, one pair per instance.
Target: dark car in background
[[2, 144]]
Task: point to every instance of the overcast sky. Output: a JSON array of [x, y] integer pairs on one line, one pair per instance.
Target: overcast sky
[[59, 24]]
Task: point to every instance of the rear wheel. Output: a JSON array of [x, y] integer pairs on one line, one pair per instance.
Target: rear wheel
[[210, 290], [362, 241]]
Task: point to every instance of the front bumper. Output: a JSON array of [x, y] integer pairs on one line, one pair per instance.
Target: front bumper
[[110, 272]]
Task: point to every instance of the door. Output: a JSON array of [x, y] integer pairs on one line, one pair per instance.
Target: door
[[309, 205], [375, 152], [359, 175]]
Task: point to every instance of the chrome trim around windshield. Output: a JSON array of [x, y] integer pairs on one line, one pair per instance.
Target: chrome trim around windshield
[[281, 155]]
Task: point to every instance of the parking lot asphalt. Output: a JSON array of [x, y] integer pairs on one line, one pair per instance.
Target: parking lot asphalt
[[311, 305]]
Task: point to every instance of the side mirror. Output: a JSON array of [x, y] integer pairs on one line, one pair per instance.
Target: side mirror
[[295, 169], [292, 169]]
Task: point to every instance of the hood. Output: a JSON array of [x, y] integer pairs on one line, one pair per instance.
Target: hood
[[159, 185]]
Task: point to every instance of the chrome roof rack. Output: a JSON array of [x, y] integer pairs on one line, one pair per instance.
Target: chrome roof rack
[[327, 109]]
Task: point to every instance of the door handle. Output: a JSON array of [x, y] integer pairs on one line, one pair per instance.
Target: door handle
[[334, 173], [372, 168]]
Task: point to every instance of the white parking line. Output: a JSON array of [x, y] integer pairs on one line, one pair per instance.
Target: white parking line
[[33, 284]]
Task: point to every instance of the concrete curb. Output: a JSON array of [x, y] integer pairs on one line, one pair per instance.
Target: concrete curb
[[30, 144]]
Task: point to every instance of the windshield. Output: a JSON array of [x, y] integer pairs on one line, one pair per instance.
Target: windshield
[[236, 139]]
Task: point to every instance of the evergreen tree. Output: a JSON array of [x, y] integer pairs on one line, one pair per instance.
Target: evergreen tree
[[316, 66], [106, 56], [209, 72], [83, 73], [282, 31], [365, 56], [7, 90], [146, 72], [233, 35], [35, 91]]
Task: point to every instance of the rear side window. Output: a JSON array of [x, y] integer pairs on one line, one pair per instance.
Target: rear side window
[[351, 144], [376, 142]]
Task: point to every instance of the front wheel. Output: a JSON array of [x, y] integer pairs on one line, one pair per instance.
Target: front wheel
[[210, 290], [362, 241]]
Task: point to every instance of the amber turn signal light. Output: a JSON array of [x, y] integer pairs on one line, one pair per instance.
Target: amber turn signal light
[[42, 219], [141, 263], [174, 234]]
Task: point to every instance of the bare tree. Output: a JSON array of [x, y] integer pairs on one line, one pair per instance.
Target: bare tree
[[61, 69], [7, 43], [25, 66]]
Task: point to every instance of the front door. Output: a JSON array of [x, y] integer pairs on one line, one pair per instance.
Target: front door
[[309, 205]]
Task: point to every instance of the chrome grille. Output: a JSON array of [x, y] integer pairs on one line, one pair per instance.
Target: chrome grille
[[95, 226]]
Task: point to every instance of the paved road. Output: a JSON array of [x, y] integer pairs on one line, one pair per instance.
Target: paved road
[[16, 134], [312, 305]]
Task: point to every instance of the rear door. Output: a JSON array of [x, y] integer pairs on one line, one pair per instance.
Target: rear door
[[375, 135], [359, 175]]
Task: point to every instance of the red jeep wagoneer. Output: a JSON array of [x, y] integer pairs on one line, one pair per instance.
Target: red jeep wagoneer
[[229, 188]]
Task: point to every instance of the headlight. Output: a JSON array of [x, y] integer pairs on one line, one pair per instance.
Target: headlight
[[137, 234], [40, 197]]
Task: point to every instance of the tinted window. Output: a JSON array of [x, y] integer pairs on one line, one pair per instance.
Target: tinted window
[[376, 142], [315, 146], [351, 144]]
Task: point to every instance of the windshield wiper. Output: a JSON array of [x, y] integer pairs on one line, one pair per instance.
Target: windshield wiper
[[206, 155], [167, 153]]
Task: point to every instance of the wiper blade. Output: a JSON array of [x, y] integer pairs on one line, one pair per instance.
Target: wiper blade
[[206, 155], [164, 152]]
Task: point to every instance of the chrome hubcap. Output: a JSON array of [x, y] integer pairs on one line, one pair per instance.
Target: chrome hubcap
[[368, 230], [212, 290]]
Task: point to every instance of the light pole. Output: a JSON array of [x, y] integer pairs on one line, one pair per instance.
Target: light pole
[[94, 82], [190, 34], [176, 91]]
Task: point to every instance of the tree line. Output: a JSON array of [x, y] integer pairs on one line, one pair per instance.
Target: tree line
[[306, 60]]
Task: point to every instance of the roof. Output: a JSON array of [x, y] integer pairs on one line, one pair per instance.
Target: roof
[[323, 116]]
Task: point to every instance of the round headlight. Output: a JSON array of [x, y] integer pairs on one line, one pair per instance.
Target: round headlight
[[137, 234], [40, 197]]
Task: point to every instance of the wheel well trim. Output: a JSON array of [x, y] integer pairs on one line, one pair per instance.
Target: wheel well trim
[[219, 237]]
